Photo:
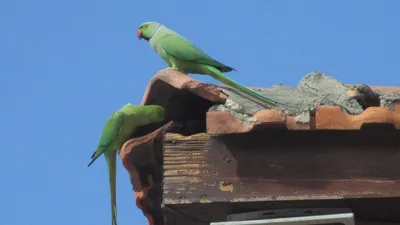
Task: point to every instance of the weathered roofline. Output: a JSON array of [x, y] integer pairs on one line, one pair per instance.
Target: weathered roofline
[[188, 104]]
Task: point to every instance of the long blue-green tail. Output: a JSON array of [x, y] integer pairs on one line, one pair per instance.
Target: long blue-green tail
[[111, 158], [216, 74]]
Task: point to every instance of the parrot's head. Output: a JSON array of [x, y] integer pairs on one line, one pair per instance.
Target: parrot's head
[[146, 30]]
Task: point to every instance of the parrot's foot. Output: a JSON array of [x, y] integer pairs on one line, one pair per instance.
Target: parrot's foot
[[176, 69], [173, 68]]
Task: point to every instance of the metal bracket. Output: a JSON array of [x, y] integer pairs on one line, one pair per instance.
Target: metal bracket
[[314, 216]]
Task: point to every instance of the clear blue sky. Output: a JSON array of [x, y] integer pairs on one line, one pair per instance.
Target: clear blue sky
[[66, 65]]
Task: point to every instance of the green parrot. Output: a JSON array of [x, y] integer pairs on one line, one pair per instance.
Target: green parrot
[[182, 55], [118, 129]]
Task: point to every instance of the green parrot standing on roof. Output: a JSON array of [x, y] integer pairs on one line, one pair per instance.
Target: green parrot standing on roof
[[118, 129], [182, 55]]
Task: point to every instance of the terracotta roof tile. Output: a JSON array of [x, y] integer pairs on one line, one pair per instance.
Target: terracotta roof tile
[[332, 118], [168, 77], [385, 89], [136, 156], [222, 110], [327, 118]]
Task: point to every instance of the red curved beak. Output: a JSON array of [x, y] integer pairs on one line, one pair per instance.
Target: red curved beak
[[139, 34]]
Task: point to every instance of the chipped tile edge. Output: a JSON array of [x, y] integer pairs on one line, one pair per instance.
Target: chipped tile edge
[[333, 118], [182, 81], [126, 155], [326, 118]]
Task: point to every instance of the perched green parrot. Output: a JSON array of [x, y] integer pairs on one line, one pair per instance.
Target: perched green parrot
[[118, 129], [182, 55]]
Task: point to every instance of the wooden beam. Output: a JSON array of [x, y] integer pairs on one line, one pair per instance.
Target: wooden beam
[[280, 165]]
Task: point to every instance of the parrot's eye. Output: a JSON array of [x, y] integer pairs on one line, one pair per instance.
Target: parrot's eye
[[146, 26]]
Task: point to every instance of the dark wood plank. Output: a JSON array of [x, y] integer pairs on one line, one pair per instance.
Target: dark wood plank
[[281, 165]]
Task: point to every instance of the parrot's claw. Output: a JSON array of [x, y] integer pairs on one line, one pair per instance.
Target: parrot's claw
[[173, 68], [176, 69]]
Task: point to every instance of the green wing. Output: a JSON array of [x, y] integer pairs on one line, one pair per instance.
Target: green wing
[[180, 48], [110, 132]]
